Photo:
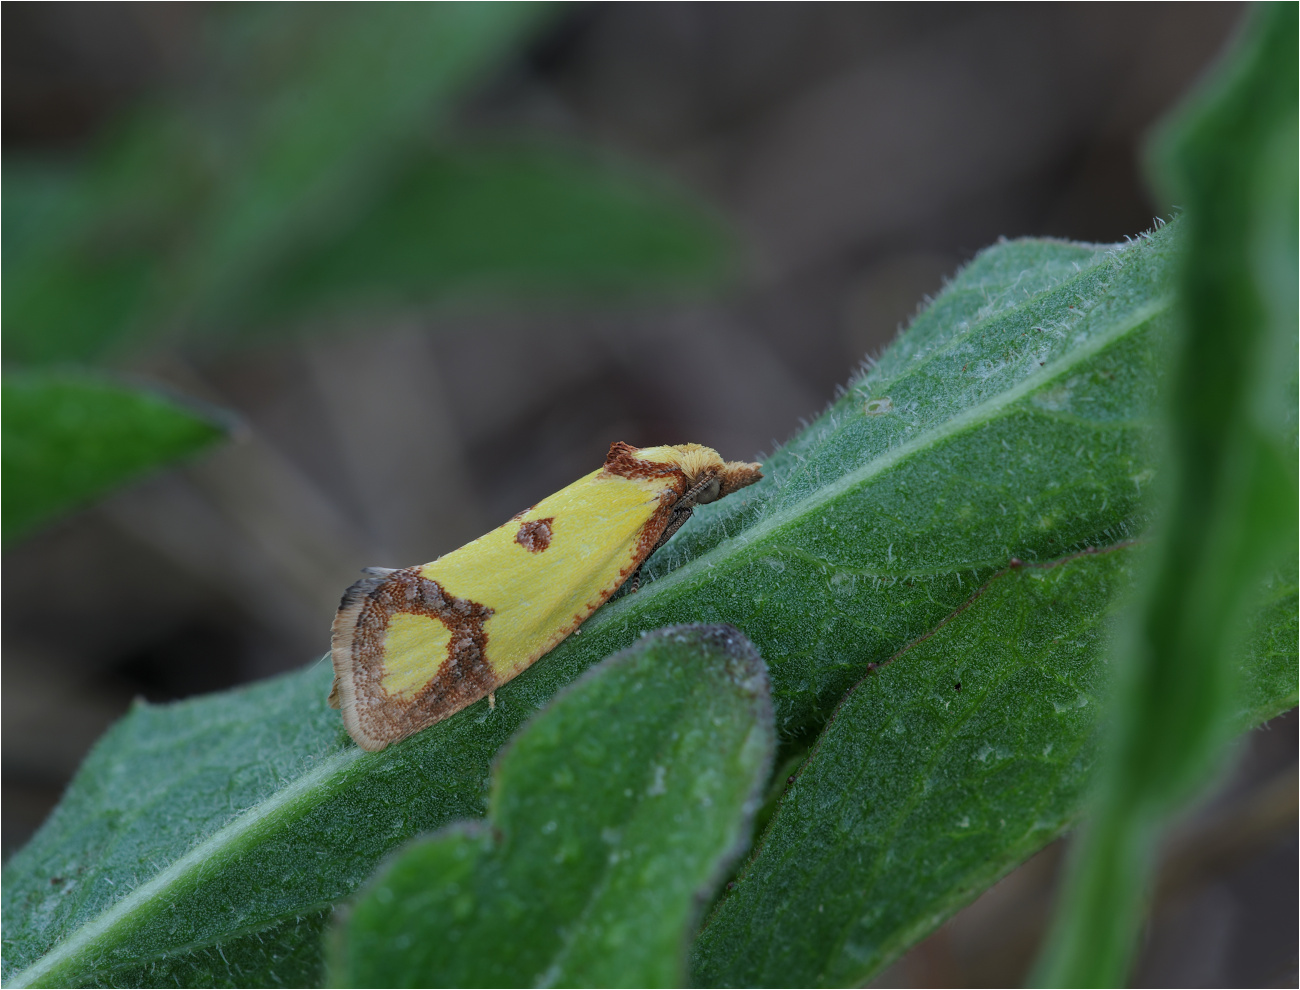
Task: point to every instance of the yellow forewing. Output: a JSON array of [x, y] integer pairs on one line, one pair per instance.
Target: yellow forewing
[[415, 645], [538, 597]]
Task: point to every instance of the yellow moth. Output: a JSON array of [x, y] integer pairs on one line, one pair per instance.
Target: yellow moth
[[415, 645]]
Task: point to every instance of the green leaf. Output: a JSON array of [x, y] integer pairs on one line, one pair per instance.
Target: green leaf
[[1230, 158], [311, 176], [1012, 420], [84, 250], [495, 223], [68, 439], [941, 771], [1015, 418], [613, 815], [303, 116], [143, 873], [337, 102]]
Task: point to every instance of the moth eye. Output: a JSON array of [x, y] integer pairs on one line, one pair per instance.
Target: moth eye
[[709, 494]]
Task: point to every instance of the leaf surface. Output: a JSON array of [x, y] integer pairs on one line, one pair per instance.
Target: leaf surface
[[942, 770], [1015, 418], [69, 438], [613, 813]]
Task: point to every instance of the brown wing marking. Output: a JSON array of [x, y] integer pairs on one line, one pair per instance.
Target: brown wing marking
[[373, 716], [622, 460], [535, 535]]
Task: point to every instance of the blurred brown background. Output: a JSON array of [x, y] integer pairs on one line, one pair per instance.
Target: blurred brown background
[[858, 152]]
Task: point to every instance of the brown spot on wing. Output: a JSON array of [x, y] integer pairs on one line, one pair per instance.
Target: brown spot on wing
[[622, 460], [373, 716], [535, 535]]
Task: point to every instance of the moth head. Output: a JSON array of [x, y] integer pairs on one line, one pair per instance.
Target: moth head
[[701, 467]]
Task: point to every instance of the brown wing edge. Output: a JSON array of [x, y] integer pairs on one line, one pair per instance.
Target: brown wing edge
[[343, 695]]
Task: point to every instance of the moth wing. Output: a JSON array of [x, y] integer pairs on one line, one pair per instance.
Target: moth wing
[[600, 529], [415, 645]]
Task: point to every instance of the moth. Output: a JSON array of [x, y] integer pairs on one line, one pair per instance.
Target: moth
[[414, 645]]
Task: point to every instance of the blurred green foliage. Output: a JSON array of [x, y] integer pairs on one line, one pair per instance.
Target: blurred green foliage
[[69, 438], [312, 170], [507, 219], [1230, 157]]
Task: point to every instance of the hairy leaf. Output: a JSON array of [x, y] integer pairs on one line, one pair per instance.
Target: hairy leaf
[[69, 438], [1012, 420], [1230, 158], [613, 813], [943, 769]]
